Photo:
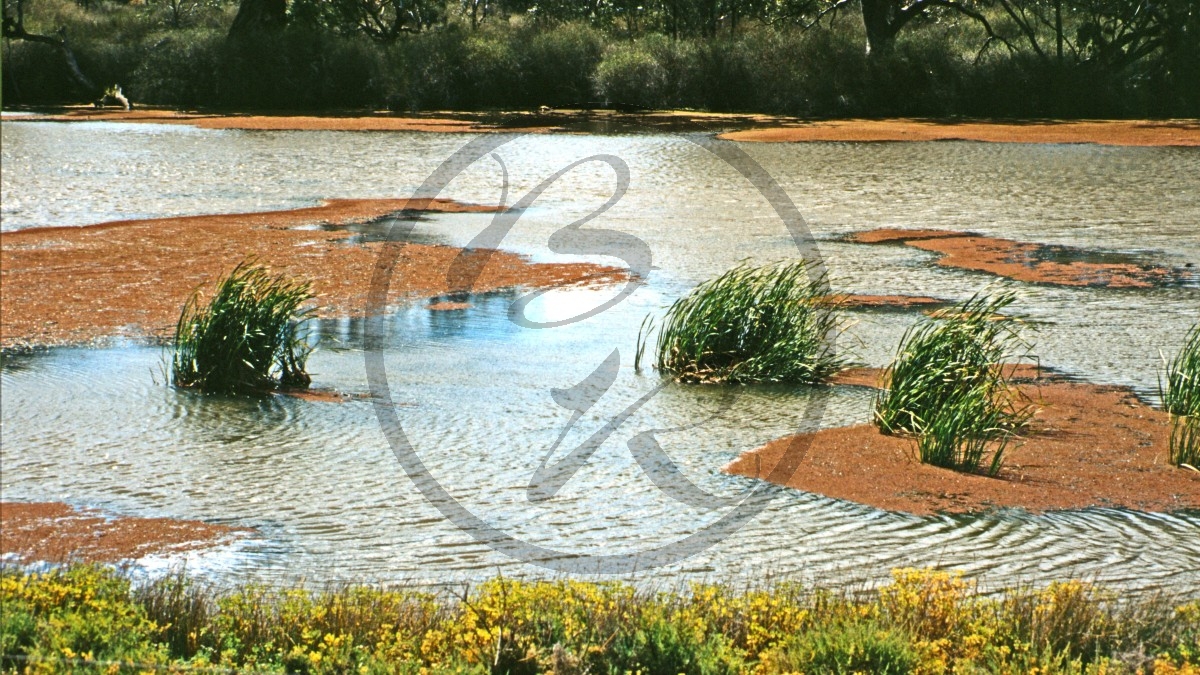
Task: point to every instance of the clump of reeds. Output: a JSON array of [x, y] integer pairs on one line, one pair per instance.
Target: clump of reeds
[[1181, 398], [751, 324], [249, 337], [948, 386]]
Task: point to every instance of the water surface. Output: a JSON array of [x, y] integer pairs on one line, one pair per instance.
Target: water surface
[[473, 389]]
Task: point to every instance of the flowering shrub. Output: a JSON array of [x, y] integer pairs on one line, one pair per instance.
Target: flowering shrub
[[87, 619]]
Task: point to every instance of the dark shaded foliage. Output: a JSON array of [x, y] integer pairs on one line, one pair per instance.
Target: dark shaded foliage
[[519, 57]]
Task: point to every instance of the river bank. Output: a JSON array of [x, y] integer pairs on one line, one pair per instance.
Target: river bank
[[1148, 133], [756, 128]]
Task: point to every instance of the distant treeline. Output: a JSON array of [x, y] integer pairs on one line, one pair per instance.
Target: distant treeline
[[821, 58]]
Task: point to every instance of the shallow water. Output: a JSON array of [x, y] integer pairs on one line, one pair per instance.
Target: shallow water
[[472, 388]]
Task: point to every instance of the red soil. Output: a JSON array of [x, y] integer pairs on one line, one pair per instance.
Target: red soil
[[887, 235], [858, 377], [55, 532], [65, 285], [1017, 260], [1087, 445]]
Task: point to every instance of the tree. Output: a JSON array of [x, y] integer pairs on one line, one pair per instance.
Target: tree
[[257, 16], [383, 20], [14, 29], [1110, 35], [883, 19]]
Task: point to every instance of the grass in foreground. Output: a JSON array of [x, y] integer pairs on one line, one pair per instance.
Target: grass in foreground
[[751, 324], [1181, 398], [1185, 441], [947, 386], [88, 619], [248, 338]]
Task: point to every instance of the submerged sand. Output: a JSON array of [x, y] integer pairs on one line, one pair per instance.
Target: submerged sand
[[74, 285], [862, 301], [1024, 261], [55, 532], [1087, 445]]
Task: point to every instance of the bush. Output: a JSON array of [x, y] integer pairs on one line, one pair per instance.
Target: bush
[[947, 385], [662, 647], [248, 338], [78, 613], [557, 64], [629, 76], [846, 649], [434, 62], [179, 68], [751, 324], [926, 621]]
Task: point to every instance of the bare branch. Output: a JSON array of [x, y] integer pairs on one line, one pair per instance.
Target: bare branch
[[14, 29], [820, 15], [973, 14]]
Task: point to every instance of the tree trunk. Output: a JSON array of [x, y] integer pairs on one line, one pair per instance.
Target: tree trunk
[[880, 21], [255, 16], [1058, 29]]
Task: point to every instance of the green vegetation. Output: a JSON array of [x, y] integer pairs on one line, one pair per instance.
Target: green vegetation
[[856, 646], [1181, 398], [947, 385], [248, 338], [923, 622], [751, 324], [1185, 440], [779, 56]]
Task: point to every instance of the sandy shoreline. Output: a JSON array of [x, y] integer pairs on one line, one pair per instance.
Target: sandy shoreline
[[553, 121], [861, 301], [75, 285], [1146, 133], [55, 532], [1088, 445], [735, 126]]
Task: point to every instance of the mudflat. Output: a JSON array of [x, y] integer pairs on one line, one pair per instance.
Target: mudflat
[[76, 285], [1087, 445]]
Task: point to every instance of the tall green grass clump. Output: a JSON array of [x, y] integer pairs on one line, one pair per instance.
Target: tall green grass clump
[[751, 324], [248, 338], [947, 386], [1181, 398]]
